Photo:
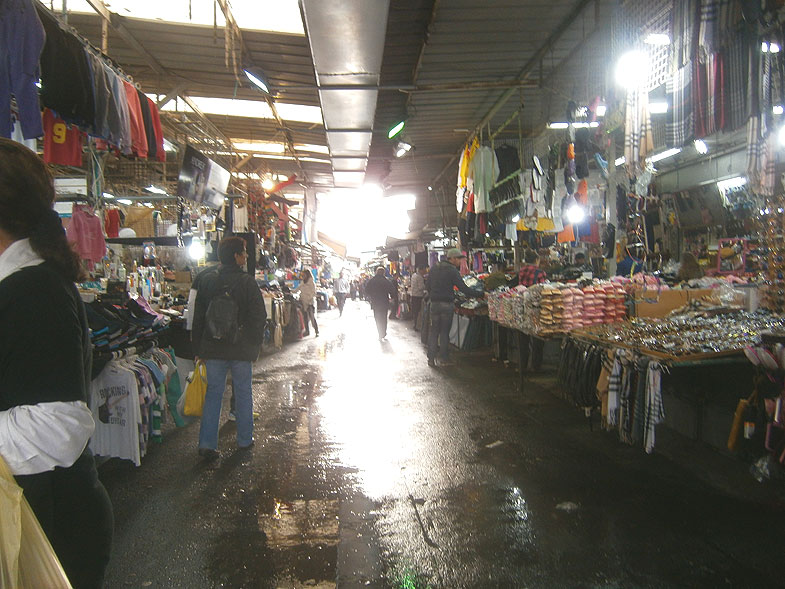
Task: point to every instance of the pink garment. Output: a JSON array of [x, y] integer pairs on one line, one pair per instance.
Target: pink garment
[[464, 269], [86, 233]]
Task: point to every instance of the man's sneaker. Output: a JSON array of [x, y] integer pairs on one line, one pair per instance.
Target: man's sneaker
[[209, 453], [431, 362]]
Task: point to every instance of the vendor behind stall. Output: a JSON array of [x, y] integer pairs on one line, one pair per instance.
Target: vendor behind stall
[[689, 268]]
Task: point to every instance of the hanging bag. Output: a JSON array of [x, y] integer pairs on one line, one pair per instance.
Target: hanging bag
[[195, 390], [744, 410], [27, 559]]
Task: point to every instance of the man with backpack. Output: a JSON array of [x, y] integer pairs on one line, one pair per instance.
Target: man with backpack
[[228, 331]]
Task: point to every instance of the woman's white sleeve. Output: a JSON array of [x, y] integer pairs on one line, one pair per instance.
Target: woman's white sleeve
[[37, 438]]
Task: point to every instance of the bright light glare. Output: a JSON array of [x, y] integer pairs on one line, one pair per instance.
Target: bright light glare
[[155, 190], [601, 110], [282, 16], [781, 136], [196, 249], [658, 108], [620, 161], [373, 190], [701, 147], [397, 128], [764, 47], [108, 195], [516, 218], [663, 155], [576, 214], [257, 109], [777, 109], [632, 70], [657, 39], [267, 184], [124, 201], [257, 81], [558, 125], [731, 183], [344, 213], [774, 48]]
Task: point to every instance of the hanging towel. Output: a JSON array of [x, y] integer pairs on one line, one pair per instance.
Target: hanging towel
[[655, 410]]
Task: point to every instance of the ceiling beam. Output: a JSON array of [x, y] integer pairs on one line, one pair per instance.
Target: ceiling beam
[[171, 95], [527, 69]]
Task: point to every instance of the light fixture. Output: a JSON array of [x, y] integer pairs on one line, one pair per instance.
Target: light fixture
[[402, 148], [108, 196], [659, 107], [558, 125], [430, 188], [657, 39], [601, 110], [586, 124], [764, 47], [169, 146], [664, 154], [257, 79], [620, 161], [777, 109], [632, 70], [268, 183], [516, 218], [395, 129], [196, 249], [576, 214], [155, 189], [124, 201], [701, 147], [731, 183]]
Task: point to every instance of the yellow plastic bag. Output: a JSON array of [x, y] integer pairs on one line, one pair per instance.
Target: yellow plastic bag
[[195, 391], [27, 559]]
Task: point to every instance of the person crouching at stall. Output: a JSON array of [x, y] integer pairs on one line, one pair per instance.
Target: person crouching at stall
[[228, 332], [45, 370]]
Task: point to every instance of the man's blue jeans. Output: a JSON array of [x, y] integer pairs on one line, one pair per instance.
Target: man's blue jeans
[[439, 333], [211, 413]]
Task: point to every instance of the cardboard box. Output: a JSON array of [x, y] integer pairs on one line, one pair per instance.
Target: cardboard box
[[184, 277], [651, 303]]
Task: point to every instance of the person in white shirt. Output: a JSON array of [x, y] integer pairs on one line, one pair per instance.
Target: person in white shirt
[[341, 289], [307, 290], [417, 294]]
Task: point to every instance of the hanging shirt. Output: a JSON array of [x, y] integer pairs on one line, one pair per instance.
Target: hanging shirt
[[101, 95], [112, 222], [86, 233], [160, 153], [115, 407], [138, 134], [62, 145], [484, 170], [21, 42]]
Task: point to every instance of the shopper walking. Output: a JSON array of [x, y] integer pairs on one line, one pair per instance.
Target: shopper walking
[[341, 289], [307, 290], [380, 292], [228, 331], [441, 282], [45, 360], [529, 275], [417, 294]]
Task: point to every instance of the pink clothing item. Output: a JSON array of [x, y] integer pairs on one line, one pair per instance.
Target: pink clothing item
[[138, 134], [86, 233]]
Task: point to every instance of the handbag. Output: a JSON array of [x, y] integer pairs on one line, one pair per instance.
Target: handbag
[[745, 411], [195, 390], [27, 559]]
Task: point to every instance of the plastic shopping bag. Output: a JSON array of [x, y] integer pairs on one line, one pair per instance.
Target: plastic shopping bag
[[195, 391], [27, 559]]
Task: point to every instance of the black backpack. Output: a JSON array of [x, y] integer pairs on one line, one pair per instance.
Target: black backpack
[[222, 320]]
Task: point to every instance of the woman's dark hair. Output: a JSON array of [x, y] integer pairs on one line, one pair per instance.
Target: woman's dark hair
[[26, 197], [308, 273], [228, 247]]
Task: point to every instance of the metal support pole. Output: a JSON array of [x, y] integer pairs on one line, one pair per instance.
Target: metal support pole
[[610, 200]]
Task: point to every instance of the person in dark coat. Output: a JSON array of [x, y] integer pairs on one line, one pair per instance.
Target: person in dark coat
[[45, 371], [380, 291], [222, 356]]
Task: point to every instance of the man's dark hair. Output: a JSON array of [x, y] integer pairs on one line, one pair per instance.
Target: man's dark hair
[[228, 247], [380, 270], [530, 256], [580, 256]]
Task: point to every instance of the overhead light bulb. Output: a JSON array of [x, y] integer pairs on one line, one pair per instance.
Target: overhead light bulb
[[701, 147], [155, 190], [124, 201], [731, 183], [777, 109], [558, 125], [764, 47], [659, 107], [576, 214], [664, 154], [108, 195], [257, 80], [430, 188], [196, 249], [601, 110], [632, 70], [402, 148], [267, 184], [395, 129], [774, 48]]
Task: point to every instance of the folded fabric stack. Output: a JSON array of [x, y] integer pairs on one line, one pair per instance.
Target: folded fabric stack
[[551, 310]]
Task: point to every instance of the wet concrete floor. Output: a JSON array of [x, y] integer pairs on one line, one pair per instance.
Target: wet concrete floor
[[371, 469]]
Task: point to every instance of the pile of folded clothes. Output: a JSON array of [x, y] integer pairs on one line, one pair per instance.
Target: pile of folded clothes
[[113, 327]]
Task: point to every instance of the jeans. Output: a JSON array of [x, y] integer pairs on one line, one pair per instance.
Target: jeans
[[380, 316], [310, 316], [416, 308], [211, 413], [340, 298], [439, 333]]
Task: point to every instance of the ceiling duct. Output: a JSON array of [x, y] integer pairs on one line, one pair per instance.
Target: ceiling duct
[[347, 43]]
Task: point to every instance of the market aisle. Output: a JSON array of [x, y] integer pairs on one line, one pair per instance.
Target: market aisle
[[372, 470]]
